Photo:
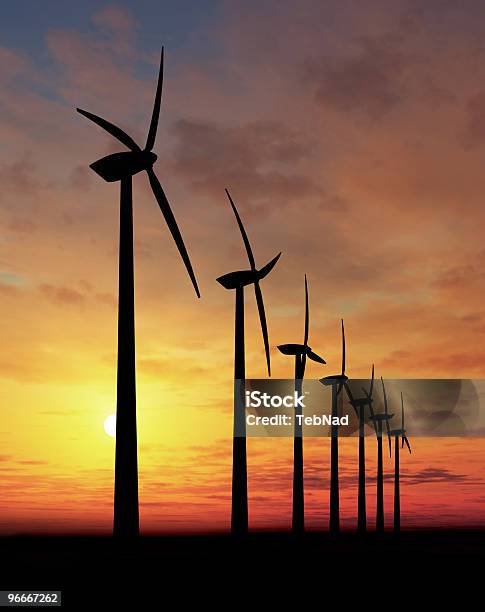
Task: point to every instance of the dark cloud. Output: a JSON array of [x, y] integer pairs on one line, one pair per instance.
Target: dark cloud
[[20, 225], [165, 367], [474, 132], [469, 362], [142, 249], [107, 298], [278, 477], [62, 295], [333, 203], [116, 19], [76, 295], [80, 178], [458, 276], [7, 289], [20, 371], [257, 157], [430, 475], [367, 81], [399, 355], [21, 176], [478, 432], [473, 317]]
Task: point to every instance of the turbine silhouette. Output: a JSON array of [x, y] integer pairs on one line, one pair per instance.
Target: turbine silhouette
[[360, 404], [335, 381], [300, 352], [396, 434], [379, 419], [238, 280], [121, 167]]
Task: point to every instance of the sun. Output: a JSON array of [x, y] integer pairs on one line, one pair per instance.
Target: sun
[[110, 425]]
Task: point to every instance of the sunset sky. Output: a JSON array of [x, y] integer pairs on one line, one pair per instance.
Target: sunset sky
[[352, 137]]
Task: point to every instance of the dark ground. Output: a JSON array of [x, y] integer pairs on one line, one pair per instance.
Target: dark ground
[[262, 568]]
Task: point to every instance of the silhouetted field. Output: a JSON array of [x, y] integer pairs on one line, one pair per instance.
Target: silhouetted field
[[208, 568]]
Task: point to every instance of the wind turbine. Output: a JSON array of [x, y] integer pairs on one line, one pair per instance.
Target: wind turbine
[[238, 280], [121, 167], [379, 419], [300, 352], [360, 404], [335, 381], [396, 434]]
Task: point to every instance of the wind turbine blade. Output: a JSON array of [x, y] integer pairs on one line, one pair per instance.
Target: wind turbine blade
[[262, 318], [343, 350], [351, 399], [384, 394], [349, 393], [243, 234], [402, 412], [371, 409], [388, 428], [265, 270], [314, 357], [112, 129], [371, 382], [307, 314], [340, 387], [407, 443], [172, 224], [152, 132]]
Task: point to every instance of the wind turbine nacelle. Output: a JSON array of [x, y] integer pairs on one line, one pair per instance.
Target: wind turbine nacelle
[[293, 349], [240, 278], [123, 165], [337, 379], [300, 349]]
